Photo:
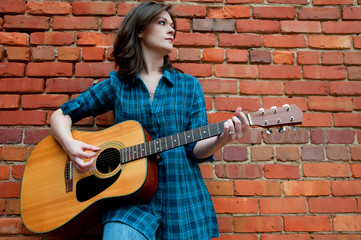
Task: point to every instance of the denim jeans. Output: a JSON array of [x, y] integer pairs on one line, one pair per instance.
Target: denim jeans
[[118, 230]]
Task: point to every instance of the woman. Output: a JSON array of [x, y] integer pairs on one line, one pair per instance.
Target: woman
[[148, 89]]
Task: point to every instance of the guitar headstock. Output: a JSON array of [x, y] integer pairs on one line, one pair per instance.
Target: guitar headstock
[[277, 116]]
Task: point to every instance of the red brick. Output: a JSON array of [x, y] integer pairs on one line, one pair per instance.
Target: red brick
[[352, 58], [351, 13], [260, 56], [281, 171], [22, 85], [195, 69], [220, 188], [11, 118], [337, 104], [261, 88], [268, 102], [297, 2], [206, 171], [337, 152], [48, 8], [257, 26], [357, 42], [345, 27], [93, 54], [357, 103], [332, 2], [69, 54], [235, 71], [213, 55], [312, 153], [235, 205], [345, 88], [189, 54], [10, 226], [111, 23], [274, 12], [291, 153], [13, 39], [26, 22], [239, 40], [346, 188], [307, 223], [39, 54], [332, 205], [75, 23], [12, 6], [258, 224], [298, 136], [10, 136], [216, 25], [93, 8], [18, 54], [353, 73], [304, 57], [355, 152], [318, 13], [284, 41], [229, 12], [257, 188], [314, 119], [300, 27], [326, 170], [52, 38], [341, 136], [33, 136], [262, 153], [54, 69], [183, 25], [17, 172], [43, 101], [239, 171], [95, 39], [331, 58], [329, 42], [235, 153], [324, 72], [190, 11], [355, 170], [195, 39], [4, 173], [306, 188], [219, 86], [347, 119], [283, 57], [286, 237], [231, 104], [237, 56], [283, 205], [225, 224], [68, 85], [279, 72], [124, 8], [9, 102], [12, 69], [306, 88], [347, 223]]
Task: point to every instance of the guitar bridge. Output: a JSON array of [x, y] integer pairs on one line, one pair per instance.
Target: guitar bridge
[[68, 174]]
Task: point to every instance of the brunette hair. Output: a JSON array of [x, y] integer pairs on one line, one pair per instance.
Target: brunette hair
[[127, 51]]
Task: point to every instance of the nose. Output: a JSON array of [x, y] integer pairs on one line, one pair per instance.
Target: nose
[[171, 30]]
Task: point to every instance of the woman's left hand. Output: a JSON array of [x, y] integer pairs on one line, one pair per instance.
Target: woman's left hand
[[234, 128]]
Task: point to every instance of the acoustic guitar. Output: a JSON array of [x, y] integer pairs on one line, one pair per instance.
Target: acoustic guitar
[[55, 198]]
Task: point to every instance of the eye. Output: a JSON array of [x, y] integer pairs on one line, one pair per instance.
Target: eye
[[162, 22]]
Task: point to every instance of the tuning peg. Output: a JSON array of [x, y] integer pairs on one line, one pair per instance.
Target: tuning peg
[[287, 106], [269, 131], [282, 129], [261, 110], [274, 108], [293, 127]]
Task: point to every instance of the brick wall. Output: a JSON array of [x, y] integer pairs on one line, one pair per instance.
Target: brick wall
[[251, 53]]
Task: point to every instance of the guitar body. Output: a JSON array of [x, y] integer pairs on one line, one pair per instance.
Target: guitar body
[[54, 196]]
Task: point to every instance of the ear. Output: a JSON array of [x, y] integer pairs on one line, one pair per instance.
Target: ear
[[140, 35]]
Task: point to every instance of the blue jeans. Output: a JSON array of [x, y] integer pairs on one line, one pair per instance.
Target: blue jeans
[[118, 230]]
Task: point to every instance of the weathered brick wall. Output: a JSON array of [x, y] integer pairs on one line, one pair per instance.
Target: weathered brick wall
[[250, 53]]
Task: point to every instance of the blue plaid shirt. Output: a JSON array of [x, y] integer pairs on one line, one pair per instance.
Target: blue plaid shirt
[[181, 207]]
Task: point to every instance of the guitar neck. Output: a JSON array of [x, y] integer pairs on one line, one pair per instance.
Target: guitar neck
[[173, 141]]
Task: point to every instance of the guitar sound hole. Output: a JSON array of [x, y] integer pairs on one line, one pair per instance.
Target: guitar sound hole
[[108, 160]]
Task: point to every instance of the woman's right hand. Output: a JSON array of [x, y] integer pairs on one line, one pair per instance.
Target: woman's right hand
[[81, 154]]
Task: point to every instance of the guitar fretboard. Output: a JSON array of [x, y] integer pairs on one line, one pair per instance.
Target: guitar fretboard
[[173, 141]]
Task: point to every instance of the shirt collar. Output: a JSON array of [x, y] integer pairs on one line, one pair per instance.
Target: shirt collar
[[167, 76]]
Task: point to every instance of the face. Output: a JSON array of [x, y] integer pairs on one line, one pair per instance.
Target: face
[[159, 35]]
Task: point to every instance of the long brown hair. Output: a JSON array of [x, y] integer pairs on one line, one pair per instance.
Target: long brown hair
[[127, 51]]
